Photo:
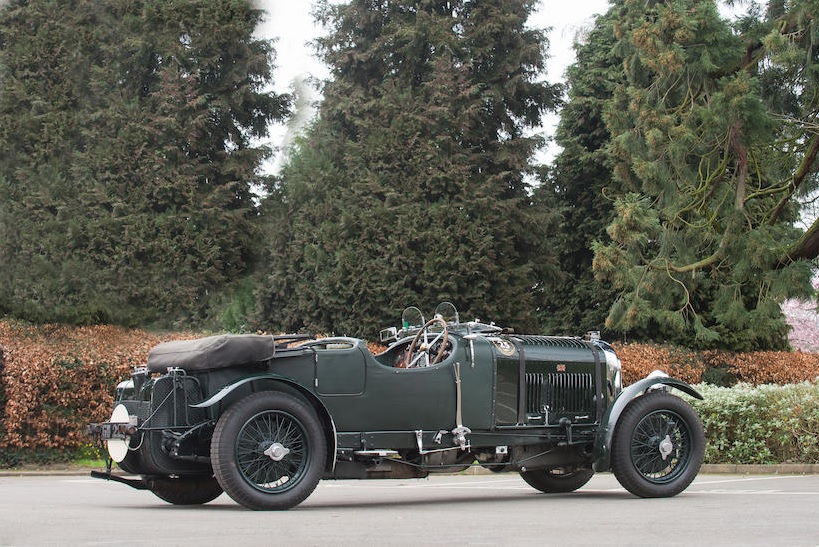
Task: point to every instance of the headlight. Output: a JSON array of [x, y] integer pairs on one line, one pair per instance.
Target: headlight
[[615, 369]]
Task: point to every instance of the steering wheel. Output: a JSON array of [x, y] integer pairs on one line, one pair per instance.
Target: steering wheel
[[425, 348]]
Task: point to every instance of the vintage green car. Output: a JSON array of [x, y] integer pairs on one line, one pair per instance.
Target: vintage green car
[[264, 418]]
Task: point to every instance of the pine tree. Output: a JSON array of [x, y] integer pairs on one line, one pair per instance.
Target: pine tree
[[696, 245], [409, 189], [127, 159]]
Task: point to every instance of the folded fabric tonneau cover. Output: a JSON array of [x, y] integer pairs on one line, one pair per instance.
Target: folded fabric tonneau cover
[[223, 350]]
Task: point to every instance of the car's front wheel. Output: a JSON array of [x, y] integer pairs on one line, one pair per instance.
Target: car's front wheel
[[268, 451], [185, 490], [557, 480], [658, 446]]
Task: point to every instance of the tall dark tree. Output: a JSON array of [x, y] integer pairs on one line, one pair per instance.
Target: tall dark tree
[[127, 158], [410, 187], [577, 187]]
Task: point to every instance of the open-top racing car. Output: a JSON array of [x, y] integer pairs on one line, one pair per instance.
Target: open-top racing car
[[264, 418]]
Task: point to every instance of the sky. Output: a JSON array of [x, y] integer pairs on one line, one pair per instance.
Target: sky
[[290, 22]]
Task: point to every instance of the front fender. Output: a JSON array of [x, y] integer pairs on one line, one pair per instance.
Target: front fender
[[602, 443]]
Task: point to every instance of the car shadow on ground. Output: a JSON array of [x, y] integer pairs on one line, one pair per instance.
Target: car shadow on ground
[[395, 500]]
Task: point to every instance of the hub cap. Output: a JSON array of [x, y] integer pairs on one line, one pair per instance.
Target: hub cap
[[276, 452], [666, 447]]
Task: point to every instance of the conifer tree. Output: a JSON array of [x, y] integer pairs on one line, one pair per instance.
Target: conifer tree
[[575, 302], [702, 244], [127, 158], [409, 189]]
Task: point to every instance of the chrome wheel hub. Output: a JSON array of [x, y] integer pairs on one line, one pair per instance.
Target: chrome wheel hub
[[666, 447], [276, 452]]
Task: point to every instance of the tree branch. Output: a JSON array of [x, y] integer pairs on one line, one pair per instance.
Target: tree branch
[[807, 247], [806, 167]]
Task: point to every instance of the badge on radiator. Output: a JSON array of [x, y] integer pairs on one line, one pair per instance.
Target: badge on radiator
[[504, 346]]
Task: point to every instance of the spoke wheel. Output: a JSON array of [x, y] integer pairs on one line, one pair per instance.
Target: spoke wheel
[[658, 446], [185, 490], [557, 480], [268, 451]]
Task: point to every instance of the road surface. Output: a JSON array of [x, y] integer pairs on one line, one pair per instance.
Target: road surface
[[465, 509]]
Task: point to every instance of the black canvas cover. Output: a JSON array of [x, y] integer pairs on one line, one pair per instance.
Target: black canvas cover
[[223, 350]]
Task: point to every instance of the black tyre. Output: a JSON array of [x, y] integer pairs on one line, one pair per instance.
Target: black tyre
[[268, 451], [130, 464], [658, 446], [557, 480], [185, 490]]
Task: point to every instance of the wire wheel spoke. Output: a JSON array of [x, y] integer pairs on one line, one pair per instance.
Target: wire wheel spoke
[[280, 469], [649, 446]]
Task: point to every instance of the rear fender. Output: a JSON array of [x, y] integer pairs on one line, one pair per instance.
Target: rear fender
[[264, 380], [602, 443]]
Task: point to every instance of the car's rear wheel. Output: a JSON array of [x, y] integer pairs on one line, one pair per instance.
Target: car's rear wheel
[[557, 480], [268, 451], [658, 446], [185, 490]]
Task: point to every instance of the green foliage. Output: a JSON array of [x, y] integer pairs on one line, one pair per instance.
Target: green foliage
[[702, 245], [237, 310], [760, 425], [83, 456], [409, 188], [126, 156], [573, 301]]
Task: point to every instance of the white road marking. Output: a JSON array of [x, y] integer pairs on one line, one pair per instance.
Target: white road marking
[[747, 479]]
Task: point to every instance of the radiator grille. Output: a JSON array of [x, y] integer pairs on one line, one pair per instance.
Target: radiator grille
[[570, 393], [534, 393]]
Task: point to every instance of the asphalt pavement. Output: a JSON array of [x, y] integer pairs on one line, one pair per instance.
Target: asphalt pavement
[[723, 509]]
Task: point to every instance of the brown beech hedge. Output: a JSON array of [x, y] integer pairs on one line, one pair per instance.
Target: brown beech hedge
[[56, 379], [718, 367]]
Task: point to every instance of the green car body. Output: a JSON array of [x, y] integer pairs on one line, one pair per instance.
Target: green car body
[[264, 418]]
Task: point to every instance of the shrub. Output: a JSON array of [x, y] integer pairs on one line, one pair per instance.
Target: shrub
[[760, 424], [766, 367], [639, 360], [718, 367], [56, 379]]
